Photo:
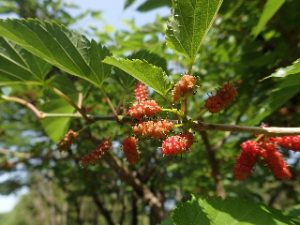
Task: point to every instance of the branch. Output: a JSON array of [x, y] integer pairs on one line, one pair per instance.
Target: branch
[[201, 126], [126, 175], [27, 104], [111, 106], [67, 99], [214, 164], [196, 125]]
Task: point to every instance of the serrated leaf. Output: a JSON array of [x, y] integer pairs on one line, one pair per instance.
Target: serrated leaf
[[190, 23], [19, 66], [215, 211], [270, 8], [150, 57], [145, 72], [65, 49]]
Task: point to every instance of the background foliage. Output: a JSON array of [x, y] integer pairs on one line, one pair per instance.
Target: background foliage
[[248, 41]]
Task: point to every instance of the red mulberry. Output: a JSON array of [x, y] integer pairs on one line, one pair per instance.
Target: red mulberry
[[68, 139], [221, 99], [183, 87], [275, 161], [130, 150], [141, 92], [228, 93], [145, 108], [177, 144], [214, 104], [288, 142], [246, 160], [95, 155], [153, 129]]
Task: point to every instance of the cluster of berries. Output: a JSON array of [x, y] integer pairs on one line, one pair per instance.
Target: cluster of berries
[[68, 140], [184, 86], [95, 155], [267, 150], [130, 150], [153, 129], [177, 144], [143, 107], [224, 96], [138, 110], [141, 92]]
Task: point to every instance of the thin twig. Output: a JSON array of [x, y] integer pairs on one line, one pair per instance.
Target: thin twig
[[201, 126], [24, 102], [70, 101], [111, 106], [214, 165]]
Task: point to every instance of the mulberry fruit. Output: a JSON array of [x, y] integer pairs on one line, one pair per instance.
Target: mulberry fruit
[[177, 144], [141, 92], [221, 99], [183, 87], [130, 150], [153, 129], [68, 139], [246, 160], [288, 142], [145, 108], [275, 161], [95, 155]]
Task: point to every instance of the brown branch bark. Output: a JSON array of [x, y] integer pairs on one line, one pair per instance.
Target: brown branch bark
[[214, 164], [27, 104], [141, 189]]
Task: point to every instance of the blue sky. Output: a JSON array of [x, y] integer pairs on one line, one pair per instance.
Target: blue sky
[[114, 15]]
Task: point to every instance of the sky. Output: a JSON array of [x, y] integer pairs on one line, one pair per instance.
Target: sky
[[114, 14]]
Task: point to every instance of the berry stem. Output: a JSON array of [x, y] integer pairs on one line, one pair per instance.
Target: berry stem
[[174, 111]]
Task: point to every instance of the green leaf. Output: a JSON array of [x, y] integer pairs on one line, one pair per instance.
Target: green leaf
[[67, 50], [150, 57], [283, 72], [270, 8], [189, 25], [230, 211], [153, 4], [56, 128], [147, 73], [287, 88], [19, 66], [167, 221], [128, 3], [294, 213]]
